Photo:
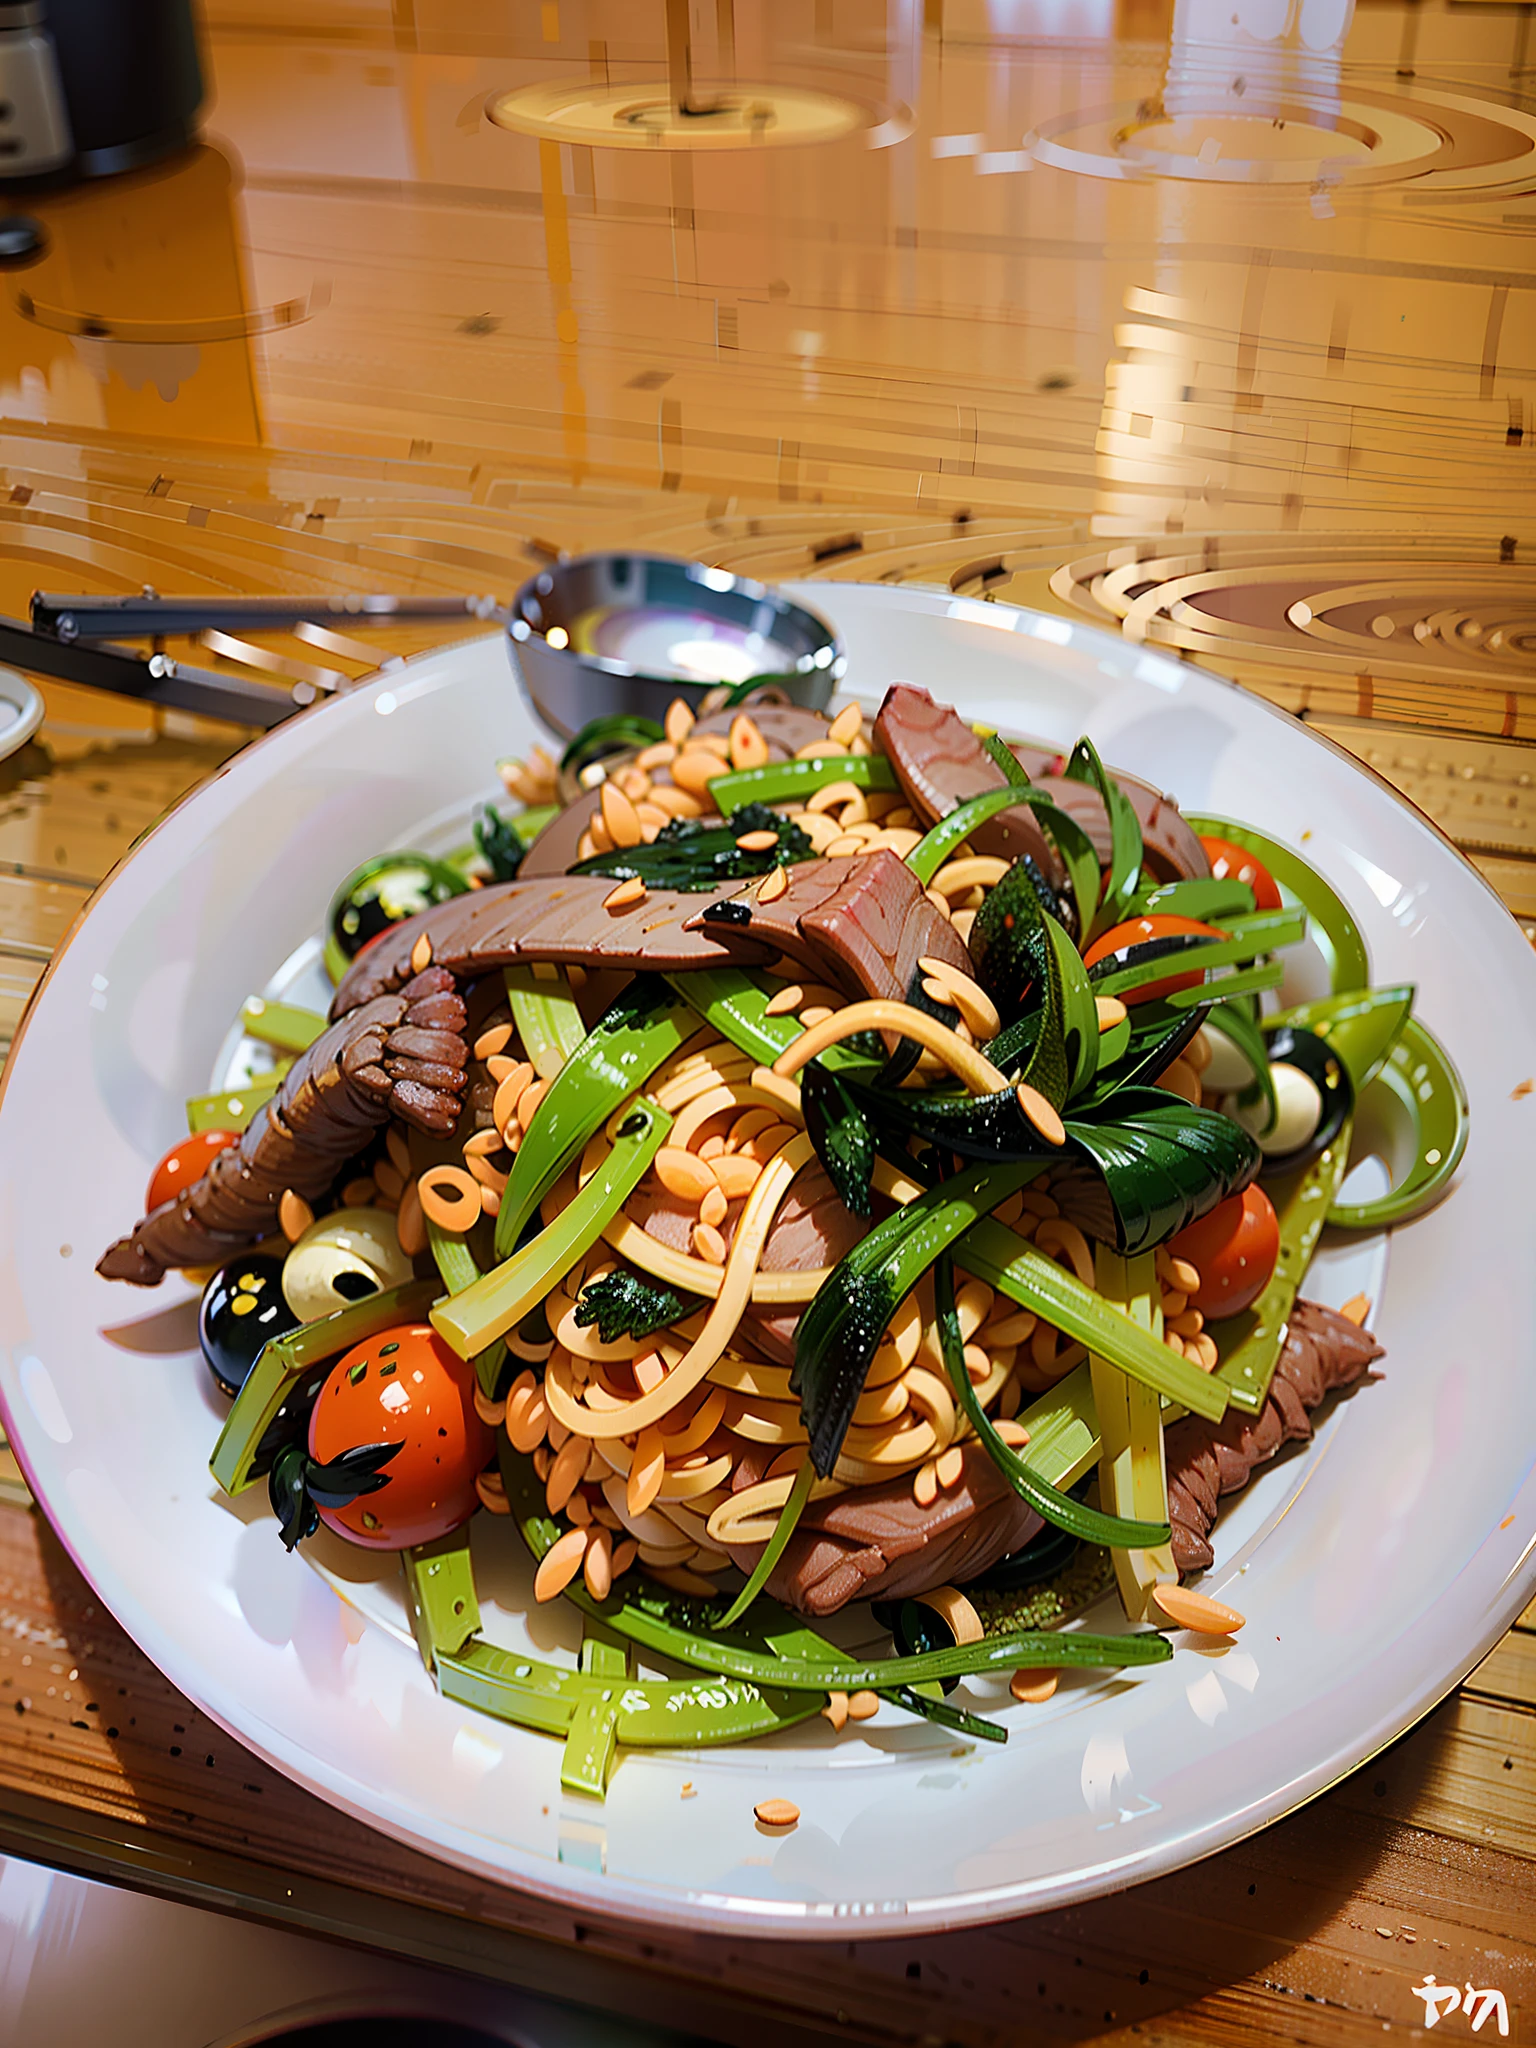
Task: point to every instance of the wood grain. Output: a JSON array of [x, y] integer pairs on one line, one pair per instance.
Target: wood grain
[[904, 363]]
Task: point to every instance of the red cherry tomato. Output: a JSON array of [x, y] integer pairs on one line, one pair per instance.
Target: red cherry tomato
[[1160, 925], [404, 1387], [1234, 1249], [1231, 862], [187, 1161]]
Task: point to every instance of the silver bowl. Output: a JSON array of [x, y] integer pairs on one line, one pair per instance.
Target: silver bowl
[[605, 635]]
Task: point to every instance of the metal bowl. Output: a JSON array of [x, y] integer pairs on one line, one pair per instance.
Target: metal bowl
[[609, 634]]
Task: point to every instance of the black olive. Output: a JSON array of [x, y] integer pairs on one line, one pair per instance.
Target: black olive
[[1315, 1058], [242, 1307], [918, 1629]]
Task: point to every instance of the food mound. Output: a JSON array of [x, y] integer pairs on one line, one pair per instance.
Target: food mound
[[792, 1162]]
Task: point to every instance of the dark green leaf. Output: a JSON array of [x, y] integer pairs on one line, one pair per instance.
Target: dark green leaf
[[1152, 1163], [839, 1130], [628, 1304], [348, 1478], [1016, 957], [689, 855], [841, 1329], [1124, 836], [288, 1492], [1155, 1036], [499, 844]]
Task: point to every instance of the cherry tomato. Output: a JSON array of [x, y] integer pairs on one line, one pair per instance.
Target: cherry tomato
[[1234, 1248], [1160, 925], [187, 1161], [404, 1386], [1231, 862]]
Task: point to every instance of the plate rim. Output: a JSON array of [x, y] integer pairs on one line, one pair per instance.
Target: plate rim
[[675, 1906]]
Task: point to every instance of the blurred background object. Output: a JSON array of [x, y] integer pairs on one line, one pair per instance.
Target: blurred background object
[[92, 87]]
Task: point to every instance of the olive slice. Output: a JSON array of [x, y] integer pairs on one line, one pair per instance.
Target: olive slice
[[1313, 1060]]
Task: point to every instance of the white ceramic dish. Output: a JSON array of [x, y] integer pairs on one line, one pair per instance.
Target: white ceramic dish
[[1375, 1570], [21, 711]]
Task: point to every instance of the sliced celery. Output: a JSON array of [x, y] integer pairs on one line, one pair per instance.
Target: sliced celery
[[232, 1108], [283, 1025], [1008, 1262], [440, 1594], [547, 1019], [1132, 1476]]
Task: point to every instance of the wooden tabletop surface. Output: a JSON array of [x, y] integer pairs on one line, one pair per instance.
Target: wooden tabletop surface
[[367, 337]]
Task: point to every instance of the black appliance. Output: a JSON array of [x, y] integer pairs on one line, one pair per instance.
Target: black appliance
[[89, 87]]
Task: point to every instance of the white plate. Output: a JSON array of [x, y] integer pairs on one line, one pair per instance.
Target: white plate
[[1374, 1570], [21, 711]]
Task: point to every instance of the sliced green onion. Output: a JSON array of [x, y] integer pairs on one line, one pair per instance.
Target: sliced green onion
[[1419, 1072], [773, 1549], [1333, 929], [940, 841], [473, 1319], [787, 782], [735, 1005], [1058, 1508], [1249, 1344], [1202, 897], [640, 1031]]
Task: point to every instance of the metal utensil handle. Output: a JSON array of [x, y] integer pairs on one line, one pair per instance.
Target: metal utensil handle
[[100, 618], [152, 679]]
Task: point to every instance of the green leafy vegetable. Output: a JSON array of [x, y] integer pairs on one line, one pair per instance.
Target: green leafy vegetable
[[1015, 955], [628, 1304], [1157, 1164], [689, 855], [841, 1134], [500, 844], [841, 1330]]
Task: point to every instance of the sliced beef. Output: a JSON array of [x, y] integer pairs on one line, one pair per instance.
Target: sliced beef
[[558, 918], [864, 923], [334, 1098], [556, 848], [1170, 850], [1322, 1350], [877, 1543], [940, 763]]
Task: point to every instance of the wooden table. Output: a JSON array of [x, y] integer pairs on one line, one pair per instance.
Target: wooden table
[[367, 338]]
